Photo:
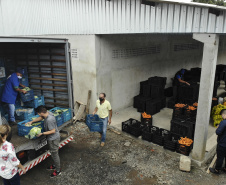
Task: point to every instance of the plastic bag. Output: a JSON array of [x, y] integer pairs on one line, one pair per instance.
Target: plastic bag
[[21, 111]]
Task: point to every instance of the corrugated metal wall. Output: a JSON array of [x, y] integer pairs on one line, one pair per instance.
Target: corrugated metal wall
[[38, 17]]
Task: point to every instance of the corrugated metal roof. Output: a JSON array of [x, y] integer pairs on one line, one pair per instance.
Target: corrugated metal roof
[[191, 4], [32, 17]]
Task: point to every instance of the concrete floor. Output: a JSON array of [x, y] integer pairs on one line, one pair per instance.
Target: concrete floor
[[84, 162], [162, 119]]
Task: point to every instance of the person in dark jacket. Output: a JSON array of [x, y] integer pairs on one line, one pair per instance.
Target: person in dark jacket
[[221, 145]]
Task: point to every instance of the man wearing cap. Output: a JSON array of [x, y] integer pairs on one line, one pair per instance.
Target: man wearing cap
[[10, 93]]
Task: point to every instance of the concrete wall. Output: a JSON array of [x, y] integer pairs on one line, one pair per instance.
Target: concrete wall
[[120, 77]]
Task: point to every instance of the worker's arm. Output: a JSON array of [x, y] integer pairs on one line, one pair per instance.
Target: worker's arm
[[20, 90], [110, 116], [34, 121], [48, 132], [220, 128], [182, 81], [22, 168], [21, 85], [95, 110]]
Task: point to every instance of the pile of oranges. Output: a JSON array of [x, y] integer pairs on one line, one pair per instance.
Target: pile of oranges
[[185, 141], [145, 115]]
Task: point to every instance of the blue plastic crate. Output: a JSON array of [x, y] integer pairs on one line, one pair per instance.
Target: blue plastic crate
[[3, 80], [24, 115], [94, 123], [17, 103], [67, 115], [24, 130], [36, 102], [24, 81], [59, 118], [28, 96]]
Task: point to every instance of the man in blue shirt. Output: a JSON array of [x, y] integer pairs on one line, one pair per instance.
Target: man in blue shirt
[[179, 78], [221, 145], [10, 93]]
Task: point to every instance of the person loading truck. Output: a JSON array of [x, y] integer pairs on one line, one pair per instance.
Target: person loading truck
[[53, 137], [10, 93]]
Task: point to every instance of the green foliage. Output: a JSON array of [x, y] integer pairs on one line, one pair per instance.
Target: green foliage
[[215, 2]]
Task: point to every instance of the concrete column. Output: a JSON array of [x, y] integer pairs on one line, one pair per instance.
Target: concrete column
[[209, 61]]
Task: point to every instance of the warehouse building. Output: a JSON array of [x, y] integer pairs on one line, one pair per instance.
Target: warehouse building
[[116, 44]]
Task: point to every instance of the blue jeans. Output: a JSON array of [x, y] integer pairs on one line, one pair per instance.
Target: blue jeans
[[15, 180], [105, 124], [11, 112]]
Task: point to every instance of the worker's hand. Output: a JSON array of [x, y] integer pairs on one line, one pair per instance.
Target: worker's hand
[[109, 121], [187, 83], [39, 135], [28, 123], [24, 170], [23, 91]]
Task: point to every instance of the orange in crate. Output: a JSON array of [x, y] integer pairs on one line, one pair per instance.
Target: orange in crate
[[145, 115]]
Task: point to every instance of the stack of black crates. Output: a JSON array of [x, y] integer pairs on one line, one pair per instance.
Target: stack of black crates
[[151, 98], [188, 94], [183, 122], [135, 127]]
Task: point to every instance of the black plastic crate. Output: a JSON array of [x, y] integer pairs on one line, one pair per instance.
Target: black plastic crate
[[214, 102], [163, 102], [147, 134], [182, 127], [145, 89], [146, 121], [151, 107], [159, 81], [178, 112], [170, 143], [125, 124], [168, 92], [140, 103], [156, 91], [183, 149], [135, 129], [186, 92], [190, 113], [158, 105], [159, 137], [135, 101], [187, 76], [171, 103]]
